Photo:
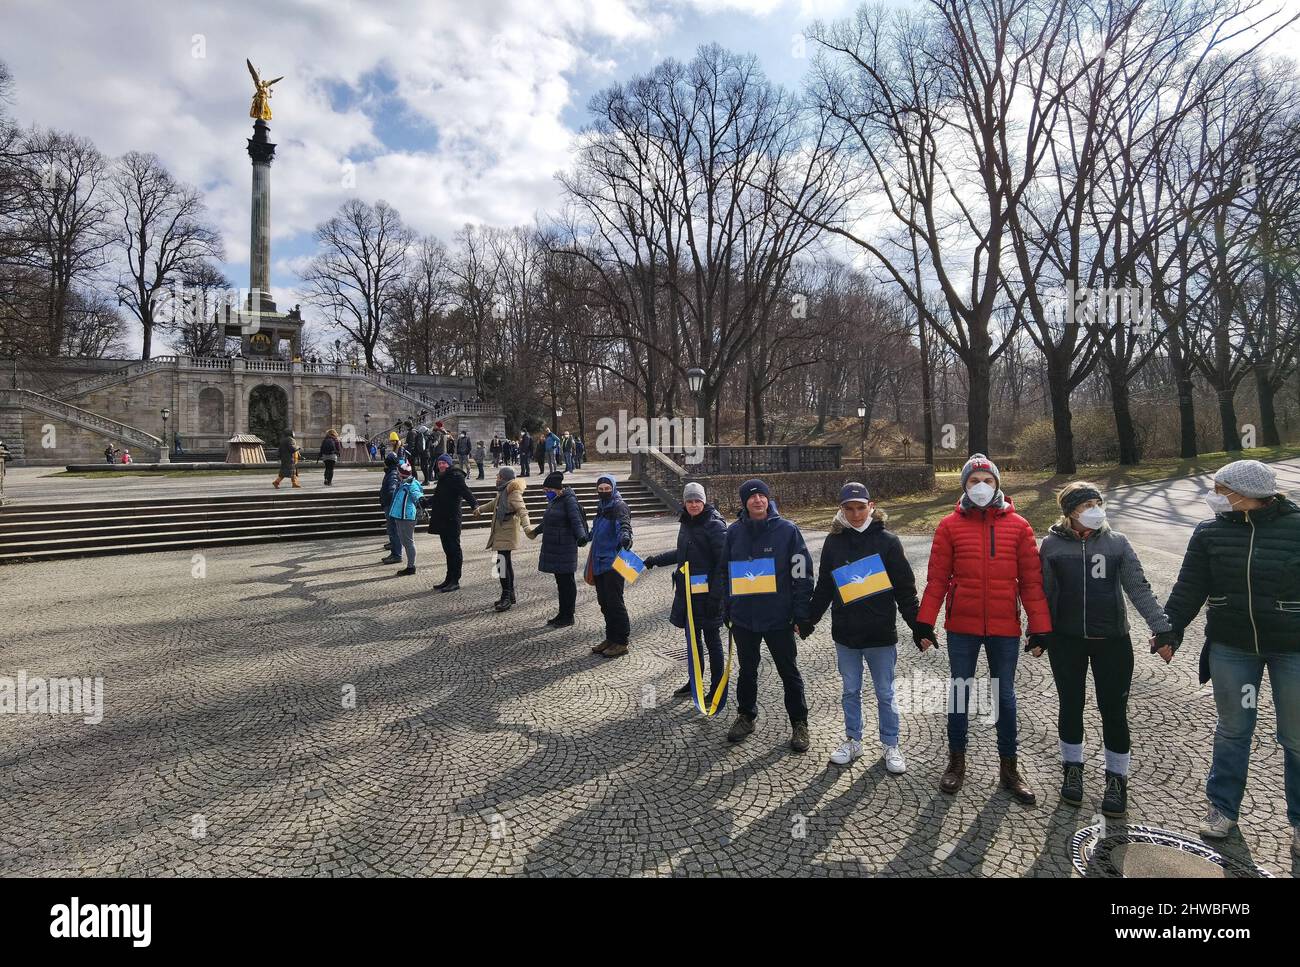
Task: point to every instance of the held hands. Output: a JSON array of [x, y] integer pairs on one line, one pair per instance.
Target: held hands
[[1037, 644], [582, 541], [1164, 644], [805, 628], [923, 636]]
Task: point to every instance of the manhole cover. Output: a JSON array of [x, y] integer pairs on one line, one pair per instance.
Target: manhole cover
[[1145, 851]]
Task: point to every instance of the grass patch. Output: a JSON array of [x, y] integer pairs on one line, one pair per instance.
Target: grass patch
[[1034, 491]]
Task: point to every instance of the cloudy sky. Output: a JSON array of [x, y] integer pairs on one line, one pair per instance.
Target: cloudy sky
[[453, 112]]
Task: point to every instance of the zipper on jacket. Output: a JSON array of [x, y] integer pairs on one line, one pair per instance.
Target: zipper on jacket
[[1250, 596], [984, 583], [1083, 544]]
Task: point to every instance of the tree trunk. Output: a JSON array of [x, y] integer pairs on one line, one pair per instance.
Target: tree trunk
[[1228, 421], [1058, 389], [1268, 434], [1124, 429], [977, 400]]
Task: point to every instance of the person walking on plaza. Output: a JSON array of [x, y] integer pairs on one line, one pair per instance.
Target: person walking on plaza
[[330, 448], [509, 520], [769, 597], [579, 451], [566, 447], [420, 443], [444, 504], [865, 579], [551, 447], [525, 453], [1242, 563], [984, 564], [289, 454], [1087, 570], [610, 533], [463, 448], [564, 529], [387, 488], [701, 542], [395, 446], [495, 449], [480, 457], [402, 511]]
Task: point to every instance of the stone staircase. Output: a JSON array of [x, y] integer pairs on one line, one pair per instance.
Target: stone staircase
[[15, 400], [30, 532]]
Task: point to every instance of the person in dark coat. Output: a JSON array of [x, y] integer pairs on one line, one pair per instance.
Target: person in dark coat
[[1242, 564], [768, 598], [330, 448], [445, 517], [610, 533], [525, 453], [288, 460], [564, 530], [864, 630], [701, 542]]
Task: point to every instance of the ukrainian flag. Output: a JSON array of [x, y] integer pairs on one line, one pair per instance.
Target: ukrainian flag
[[628, 565], [861, 578], [754, 577], [699, 584]]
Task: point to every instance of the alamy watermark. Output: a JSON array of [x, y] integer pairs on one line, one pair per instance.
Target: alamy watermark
[[940, 695], [638, 434], [35, 695]]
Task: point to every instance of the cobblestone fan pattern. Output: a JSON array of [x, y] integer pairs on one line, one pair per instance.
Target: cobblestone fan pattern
[[489, 744]]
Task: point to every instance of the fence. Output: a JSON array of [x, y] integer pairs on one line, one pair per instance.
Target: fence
[[791, 458]]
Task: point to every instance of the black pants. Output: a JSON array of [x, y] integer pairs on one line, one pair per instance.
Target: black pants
[[506, 568], [785, 653], [426, 466], [523, 468], [329, 471], [710, 639], [1112, 675], [609, 592], [567, 588], [455, 559]]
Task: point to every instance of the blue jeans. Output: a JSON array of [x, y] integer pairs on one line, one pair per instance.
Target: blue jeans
[[1236, 676], [394, 542], [1002, 654], [568, 463], [881, 662]]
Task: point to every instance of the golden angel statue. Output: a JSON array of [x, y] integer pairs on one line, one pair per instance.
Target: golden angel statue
[[261, 108]]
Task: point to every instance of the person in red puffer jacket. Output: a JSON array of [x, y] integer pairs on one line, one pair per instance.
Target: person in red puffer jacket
[[983, 565]]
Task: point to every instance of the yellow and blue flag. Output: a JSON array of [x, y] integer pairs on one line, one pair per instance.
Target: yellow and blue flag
[[754, 577], [628, 565], [861, 579], [699, 584]]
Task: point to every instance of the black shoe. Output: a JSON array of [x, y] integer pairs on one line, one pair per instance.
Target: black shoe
[[448, 588], [563, 623], [405, 571], [512, 598], [556, 621], [683, 691], [1115, 803], [503, 603], [1072, 784], [440, 585], [391, 560]]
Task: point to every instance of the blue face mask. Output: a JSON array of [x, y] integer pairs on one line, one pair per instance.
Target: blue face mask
[[550, 496]]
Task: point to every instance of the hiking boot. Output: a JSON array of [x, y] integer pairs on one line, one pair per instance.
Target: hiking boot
[[391, 560], [799, 736], [503, 603], [1115, 802], [1072, 784], [600, 648], [1215, 825], [296, 484], [405, 571], [441, 584], [615, 651], [955, 774], [741, 729], [1011, 781], [448, 588]]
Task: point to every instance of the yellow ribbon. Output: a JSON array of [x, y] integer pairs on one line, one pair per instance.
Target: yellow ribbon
[[697, 683]]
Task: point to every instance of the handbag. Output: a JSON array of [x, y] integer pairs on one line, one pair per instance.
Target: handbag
[[588, 574]]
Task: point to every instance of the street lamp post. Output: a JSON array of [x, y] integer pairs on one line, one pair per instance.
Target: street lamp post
[[695, 380], [862, 415], [163, 455]]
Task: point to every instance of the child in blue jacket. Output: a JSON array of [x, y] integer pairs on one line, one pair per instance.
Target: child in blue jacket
[[402, 511]]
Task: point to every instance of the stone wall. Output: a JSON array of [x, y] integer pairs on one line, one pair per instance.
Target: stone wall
[[820, 487], [50, 442]]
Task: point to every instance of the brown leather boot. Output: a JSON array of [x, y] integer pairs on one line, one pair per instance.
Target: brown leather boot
[[1011, 781], [955, 774]]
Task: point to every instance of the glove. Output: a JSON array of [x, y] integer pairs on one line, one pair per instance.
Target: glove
[[805, 628], [627, 543], [583, 541], [920, 632], [649, 563], [1164, 638], [1037, 641]]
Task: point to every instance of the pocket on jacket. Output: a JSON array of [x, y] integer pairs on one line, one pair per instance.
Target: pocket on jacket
[[1219, 601]]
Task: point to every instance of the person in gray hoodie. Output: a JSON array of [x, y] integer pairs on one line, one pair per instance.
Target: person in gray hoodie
[[1087, 570]]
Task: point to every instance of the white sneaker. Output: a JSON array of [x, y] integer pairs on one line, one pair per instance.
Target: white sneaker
[[1215, 825], [894, 761], [850, 750]]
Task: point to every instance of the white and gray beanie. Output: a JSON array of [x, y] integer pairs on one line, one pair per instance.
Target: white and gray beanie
[[1250, 478], [693, 491]]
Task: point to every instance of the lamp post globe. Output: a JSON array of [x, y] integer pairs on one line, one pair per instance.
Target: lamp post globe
[[862, 415]]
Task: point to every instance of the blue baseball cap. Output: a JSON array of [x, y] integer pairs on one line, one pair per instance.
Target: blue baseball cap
[[854, 491]]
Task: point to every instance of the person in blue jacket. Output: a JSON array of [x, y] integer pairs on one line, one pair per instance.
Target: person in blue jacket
[[402, 512], [387, 487], [611, 532], [769, 596], [564, 530], [701, 541]]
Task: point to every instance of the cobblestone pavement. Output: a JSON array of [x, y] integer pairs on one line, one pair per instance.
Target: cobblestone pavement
[[488, 744]]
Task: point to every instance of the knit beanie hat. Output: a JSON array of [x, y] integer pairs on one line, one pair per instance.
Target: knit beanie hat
[[506, 473], [553, 481], [751, 487], [444, 458], [1250, 478], [693, 491], [978, 461]]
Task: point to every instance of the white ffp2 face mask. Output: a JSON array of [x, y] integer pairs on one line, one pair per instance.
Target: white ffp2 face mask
[[1218, 503], [981, 494], [1092, 518]]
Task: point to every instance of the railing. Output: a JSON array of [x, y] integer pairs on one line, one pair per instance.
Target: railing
[[662, 475], [73, 414], [708, 461], [89, 383]]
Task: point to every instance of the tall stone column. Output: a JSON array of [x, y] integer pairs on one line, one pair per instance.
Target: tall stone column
[[262, 152]]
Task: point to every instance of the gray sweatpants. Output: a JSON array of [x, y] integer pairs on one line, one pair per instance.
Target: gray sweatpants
[[406, 534]]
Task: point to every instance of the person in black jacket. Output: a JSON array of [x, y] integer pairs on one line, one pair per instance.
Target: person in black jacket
[[864, 628], [330, 448], [701, 541], [564, 530], [1243, 563], [444, 516], [525, 453]]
